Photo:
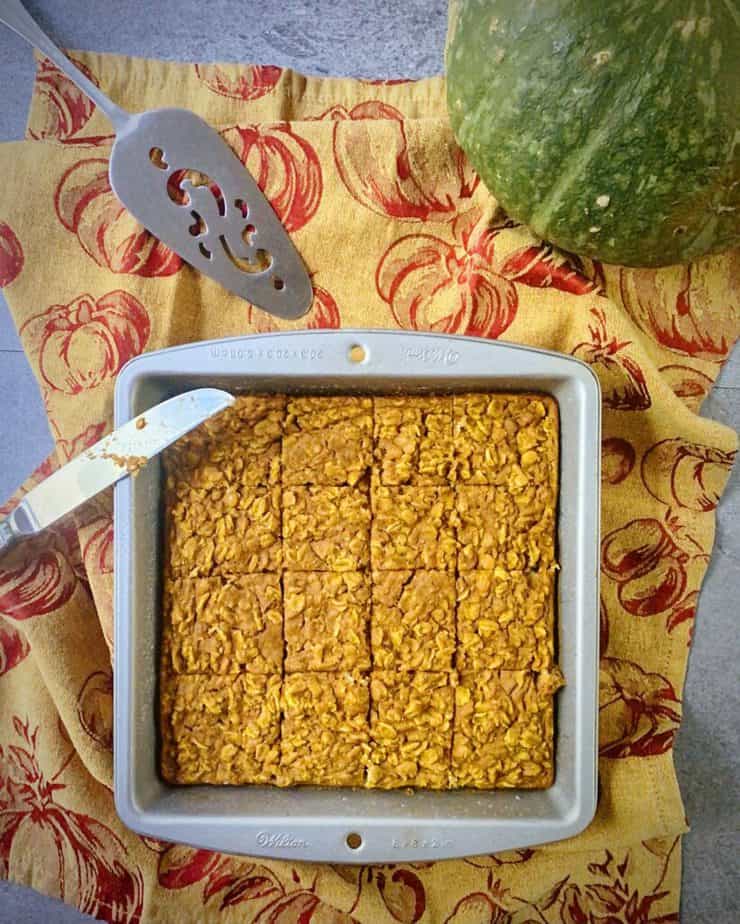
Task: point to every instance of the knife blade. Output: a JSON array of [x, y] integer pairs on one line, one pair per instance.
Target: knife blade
[[123, 452]]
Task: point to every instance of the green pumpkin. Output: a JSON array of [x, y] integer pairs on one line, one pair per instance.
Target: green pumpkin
[[611, 129]]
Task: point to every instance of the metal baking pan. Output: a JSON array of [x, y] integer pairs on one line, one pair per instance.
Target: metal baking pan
[[313, 823]]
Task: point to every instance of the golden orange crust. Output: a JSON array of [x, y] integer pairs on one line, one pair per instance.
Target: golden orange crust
[[326, 528], [413, 528], [413, 440]]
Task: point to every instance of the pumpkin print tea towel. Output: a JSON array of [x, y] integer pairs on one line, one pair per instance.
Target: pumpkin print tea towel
[[397, 232]]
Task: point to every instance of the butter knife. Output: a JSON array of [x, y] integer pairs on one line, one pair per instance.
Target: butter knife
[[123, 452]]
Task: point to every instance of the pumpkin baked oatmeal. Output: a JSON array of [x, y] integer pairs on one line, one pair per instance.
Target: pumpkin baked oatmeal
[[497, 529], [327, 619], [503, 735], [222, 627], [413, 440], [326, 528], [505, 620], [324, 735], [412, 528], [506, 440], [413, 621], [328, 441], [220, 728], [360, 591], [410, 729]]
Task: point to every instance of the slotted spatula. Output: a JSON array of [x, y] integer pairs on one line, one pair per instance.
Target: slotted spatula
[[223, 225]]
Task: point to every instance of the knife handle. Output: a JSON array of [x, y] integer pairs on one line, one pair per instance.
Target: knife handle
[[8, 536]]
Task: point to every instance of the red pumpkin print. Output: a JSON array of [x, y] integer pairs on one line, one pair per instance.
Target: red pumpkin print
[[691, 309], [434, 284], [11, 255], [97, 556], [86, 342], [503, 858], [89, 436], [394, 179], [688, 474], [391, 82], [688, 384], [38, 583], [538, 265], [323, 315], [623, 385], [95, 708], [73, 857], [402, 893], [636, 549], [478, 908], [285, 166], [617, 459], [648, 566], [13, 647], [639, 712], [684, 611], [251, 82], [86, 205], [63, 110], [603, 628]]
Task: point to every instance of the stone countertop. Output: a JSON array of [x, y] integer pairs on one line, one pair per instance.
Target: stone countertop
[[379, 38]]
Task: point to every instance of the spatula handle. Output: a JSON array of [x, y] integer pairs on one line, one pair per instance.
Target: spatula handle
[[8, 536], [17, 17]]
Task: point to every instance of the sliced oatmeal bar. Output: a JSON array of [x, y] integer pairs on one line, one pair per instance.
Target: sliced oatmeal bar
[[220, 729], [223, 626], [326, 528], [497, 529], [222, 530], [412, 528], [410, 729], [413, 439], [503, 735], [505, 619], [327, 618], [324, 728], [506, 440], [413, 620], [328, 440]]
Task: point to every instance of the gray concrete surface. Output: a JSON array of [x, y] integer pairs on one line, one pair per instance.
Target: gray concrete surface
[[380, 38]]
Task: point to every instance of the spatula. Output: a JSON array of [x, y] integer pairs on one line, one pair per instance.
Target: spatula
[[223, 226], [123, 452]]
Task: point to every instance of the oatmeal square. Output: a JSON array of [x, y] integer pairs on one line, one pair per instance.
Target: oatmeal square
[[503, 735], [220, 729], [225, 626], [222, 530], [505, 619], [410, 729], [328, 440], [413, 440], [496, 529], [324, 728], [412, 528], [506, 440], [326, 528], [327, 620], [413, 621]]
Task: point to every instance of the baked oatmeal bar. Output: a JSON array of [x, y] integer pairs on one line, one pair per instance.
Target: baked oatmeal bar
[[505, 619], [410, 729], [327, 618], [326, 528], [497, 529], [224, 627], [328, 441], [506, 440], [413, 621], [412, 528], [503, 733], [222, 530], [220, 729], [324, 729], [413, 439], [242, 443]]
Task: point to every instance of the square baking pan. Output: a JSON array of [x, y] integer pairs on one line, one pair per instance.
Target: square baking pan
[[314, 823]]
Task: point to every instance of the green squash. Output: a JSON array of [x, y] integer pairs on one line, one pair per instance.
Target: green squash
[[611, 129]]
